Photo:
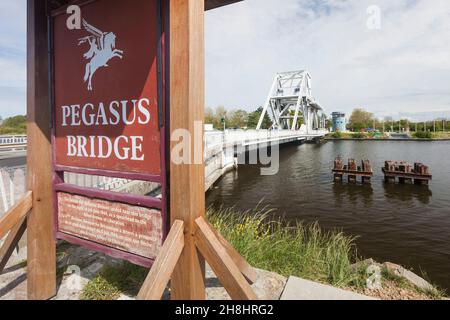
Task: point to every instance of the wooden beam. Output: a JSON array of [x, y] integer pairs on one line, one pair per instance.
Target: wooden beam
[[246, 269], [187, 92], [41, 278], [222, 264], [16, 214], [161, 271], [11, 242]]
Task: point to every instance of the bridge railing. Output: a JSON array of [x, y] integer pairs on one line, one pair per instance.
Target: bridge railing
[[12, 187], [13, 184], [234, 137]]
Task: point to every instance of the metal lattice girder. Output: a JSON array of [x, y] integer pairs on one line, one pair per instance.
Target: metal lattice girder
[[289, 97]]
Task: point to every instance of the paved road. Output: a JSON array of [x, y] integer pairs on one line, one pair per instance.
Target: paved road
[[13, 158]]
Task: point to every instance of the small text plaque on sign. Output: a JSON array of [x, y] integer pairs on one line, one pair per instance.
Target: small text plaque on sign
[[129, 228]]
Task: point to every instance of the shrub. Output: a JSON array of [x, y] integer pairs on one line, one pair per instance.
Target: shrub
[[423, 135], [14, 125], [337, 135], [359, 135], [288, 249]]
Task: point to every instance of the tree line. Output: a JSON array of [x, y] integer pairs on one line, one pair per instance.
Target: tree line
[[222, 118], [13, 125], [362, 120]]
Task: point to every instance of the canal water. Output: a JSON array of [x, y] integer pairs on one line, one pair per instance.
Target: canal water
[[404, 224]]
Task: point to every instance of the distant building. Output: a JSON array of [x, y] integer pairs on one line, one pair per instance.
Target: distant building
[[339, 123]]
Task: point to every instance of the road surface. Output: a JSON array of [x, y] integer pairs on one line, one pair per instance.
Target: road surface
[[13, 158]]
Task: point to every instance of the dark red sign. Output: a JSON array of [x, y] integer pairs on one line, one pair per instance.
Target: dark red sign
[[105, 86], [109, 121]]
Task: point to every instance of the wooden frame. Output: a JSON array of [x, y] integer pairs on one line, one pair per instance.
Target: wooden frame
[[226, 263], [191, 239]]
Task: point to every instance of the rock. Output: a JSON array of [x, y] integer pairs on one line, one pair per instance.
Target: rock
[[364, 264], [92, 270], [393, 269], [269, 286], [411, 277]]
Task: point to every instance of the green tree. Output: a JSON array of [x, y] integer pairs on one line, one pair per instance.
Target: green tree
[[361, 119], [238, 119], [300, 119], [209, 115], [14, 125], [221, 114], [253, 119], [215, 116]]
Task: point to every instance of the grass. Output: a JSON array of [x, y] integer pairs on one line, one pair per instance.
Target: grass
[[113, 281], [300, 250], [337, 135], [441, 135], [356, 135], [362, 135], [359, 135]]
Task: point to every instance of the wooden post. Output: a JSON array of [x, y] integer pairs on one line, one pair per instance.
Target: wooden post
[[187, 198], [41, 243]]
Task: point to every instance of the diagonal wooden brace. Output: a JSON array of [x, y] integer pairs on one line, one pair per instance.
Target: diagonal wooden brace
[[11, 242], [14, 222], [15, 215], [246, 269], [221, 262], [233, 271], [161, 271]]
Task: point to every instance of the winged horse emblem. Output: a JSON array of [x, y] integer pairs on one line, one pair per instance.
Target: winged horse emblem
[[102, 49]]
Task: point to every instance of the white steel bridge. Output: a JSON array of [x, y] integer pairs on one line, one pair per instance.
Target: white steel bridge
[[290, 103]]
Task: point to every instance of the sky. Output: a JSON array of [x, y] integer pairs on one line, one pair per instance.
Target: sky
[[401, 67], [389, 57], [12, 57]]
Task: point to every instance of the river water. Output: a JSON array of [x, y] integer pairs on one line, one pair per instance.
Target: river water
[[404, 224]]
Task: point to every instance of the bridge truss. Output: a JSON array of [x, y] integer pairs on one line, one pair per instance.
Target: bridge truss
[[289, 99]]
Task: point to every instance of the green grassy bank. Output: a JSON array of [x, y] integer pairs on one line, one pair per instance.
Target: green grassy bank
[[302, 250], [420, 135]]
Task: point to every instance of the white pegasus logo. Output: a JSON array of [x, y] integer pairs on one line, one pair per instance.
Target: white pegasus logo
[[103, 49]]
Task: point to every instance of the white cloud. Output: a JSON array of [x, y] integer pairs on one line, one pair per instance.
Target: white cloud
[[403, 67]]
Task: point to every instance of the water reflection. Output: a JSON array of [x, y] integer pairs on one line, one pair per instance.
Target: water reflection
[[353, 193], [408, 192]]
